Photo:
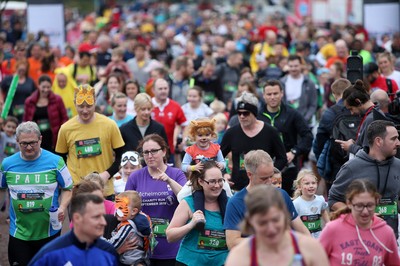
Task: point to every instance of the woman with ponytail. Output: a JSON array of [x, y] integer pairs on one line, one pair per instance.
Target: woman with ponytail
[[357, 236]]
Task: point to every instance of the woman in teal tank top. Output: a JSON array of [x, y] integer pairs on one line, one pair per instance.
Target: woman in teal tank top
[[201, 245]]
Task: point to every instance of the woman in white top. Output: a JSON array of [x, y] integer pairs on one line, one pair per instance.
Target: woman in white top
[[386, 66]]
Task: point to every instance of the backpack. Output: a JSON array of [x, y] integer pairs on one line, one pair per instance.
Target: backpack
[[345, 127]]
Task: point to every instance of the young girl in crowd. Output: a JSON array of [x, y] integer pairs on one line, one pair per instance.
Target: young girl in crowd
[[132, 224], [195, 108], [277, 178], [95, 177], [356, 236], [129, 164], [310, 207], [221, 122], [202, 132], [131, 89]]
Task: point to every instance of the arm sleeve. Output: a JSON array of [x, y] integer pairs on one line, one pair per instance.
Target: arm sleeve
[[233, 215], [279, 151], [312, 102], [226, 143], [187, 159], [324, 131], [220, 157], [343, 179], [115, 165], [119, 238], [305, 141]]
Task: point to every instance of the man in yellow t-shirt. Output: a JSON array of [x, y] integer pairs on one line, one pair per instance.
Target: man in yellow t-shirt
[[90, 139]]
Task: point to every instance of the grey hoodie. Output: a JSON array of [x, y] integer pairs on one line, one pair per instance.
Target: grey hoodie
[[378, 172]]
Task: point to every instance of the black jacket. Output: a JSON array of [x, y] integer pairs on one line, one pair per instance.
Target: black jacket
[[292, 127], [131, 134]]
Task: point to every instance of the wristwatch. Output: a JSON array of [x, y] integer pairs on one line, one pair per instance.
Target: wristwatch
[[294, 151]]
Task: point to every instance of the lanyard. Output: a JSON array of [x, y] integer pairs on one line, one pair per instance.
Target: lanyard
[[363, 119]]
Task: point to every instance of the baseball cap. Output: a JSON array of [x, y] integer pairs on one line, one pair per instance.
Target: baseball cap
[[130, 156]]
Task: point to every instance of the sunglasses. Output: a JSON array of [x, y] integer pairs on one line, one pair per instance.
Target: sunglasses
[[245, 113]]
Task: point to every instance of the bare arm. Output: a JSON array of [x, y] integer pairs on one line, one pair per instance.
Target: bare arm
[[175, 186], [233, 238], [65, 199], [179, 227], [298, 226], [325, 216]]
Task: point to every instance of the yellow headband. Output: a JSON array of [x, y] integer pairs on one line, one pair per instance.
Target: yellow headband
[[84, 93]]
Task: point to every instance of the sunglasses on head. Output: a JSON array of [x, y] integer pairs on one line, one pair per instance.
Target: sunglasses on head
[[244, 113]]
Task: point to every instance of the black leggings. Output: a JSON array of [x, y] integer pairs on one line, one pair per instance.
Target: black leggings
[[21, 251]]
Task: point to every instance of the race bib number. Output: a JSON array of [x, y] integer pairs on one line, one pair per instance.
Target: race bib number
[[241, 162], [159, 226], [10, 148], [209, 97], [312, 222], [212, 240], [43, 124], [18, 110], [30, 202], [387, 207], [230, 88], [88, 148]]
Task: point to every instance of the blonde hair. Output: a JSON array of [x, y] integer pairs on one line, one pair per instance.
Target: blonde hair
[[297, 183], [95, 177], [141, 100], [218, 106], [221, 117], [135, 201]]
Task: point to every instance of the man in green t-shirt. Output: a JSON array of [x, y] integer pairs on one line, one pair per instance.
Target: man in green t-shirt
[[36, 178]]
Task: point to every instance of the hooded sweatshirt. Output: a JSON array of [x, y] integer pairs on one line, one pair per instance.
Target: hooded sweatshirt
[[347, 244], [384, 174]]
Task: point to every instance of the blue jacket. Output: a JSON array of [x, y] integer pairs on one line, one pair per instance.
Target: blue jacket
[[68, 250]]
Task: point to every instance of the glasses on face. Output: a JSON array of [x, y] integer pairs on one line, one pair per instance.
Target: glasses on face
[[213, 182], [245, 113], [360, 207], [31, 143], [152, 152]]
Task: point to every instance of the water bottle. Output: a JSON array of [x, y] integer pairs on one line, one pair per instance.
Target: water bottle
[[297, 260], [53, 211]]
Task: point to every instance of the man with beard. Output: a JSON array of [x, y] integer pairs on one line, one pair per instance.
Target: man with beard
[[377, 164]]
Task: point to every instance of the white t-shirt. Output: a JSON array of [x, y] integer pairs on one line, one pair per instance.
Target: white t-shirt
[[191, 114], [293, 88], [395, 76]]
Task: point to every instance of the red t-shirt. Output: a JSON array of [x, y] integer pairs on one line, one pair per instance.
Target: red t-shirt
[[169, 116], [380, 83]]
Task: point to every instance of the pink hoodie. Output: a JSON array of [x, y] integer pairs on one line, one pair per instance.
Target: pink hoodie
[[347, 244]]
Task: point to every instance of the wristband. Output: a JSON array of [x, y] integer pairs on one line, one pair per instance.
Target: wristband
[[193, 168]]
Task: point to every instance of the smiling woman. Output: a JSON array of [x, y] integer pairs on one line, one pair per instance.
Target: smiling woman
[[47, 110], [201, 246]]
